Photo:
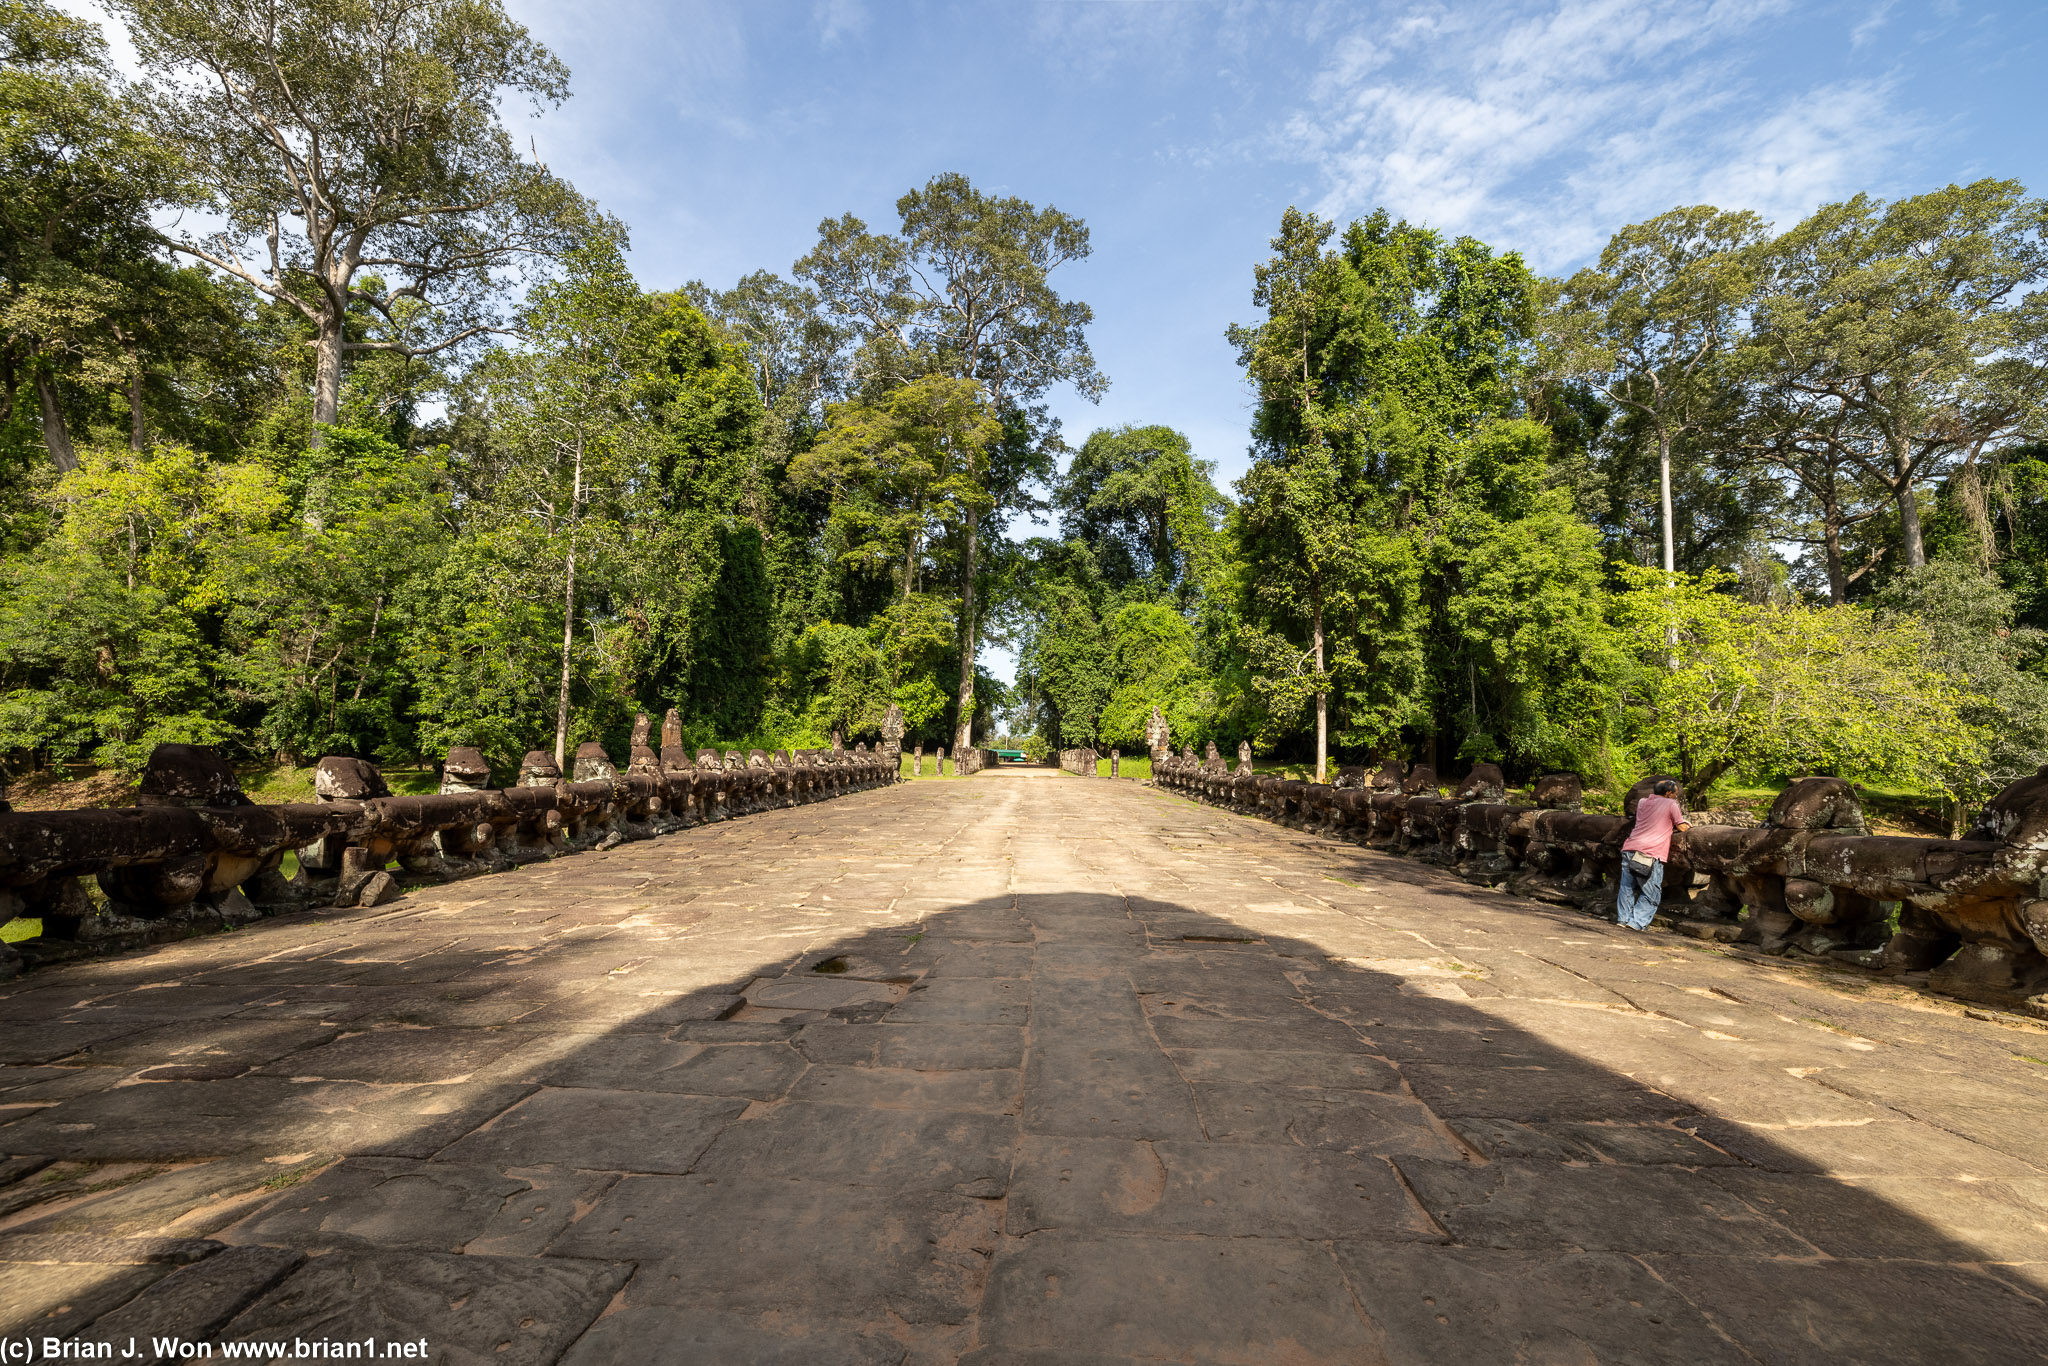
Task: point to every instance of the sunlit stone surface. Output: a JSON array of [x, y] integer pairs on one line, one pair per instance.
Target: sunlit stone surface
[[1024, 1069]]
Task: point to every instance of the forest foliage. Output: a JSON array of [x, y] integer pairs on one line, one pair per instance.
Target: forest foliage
[[397, 454]]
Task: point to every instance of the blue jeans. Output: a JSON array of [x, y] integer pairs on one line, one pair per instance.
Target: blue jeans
[[1639, 894]]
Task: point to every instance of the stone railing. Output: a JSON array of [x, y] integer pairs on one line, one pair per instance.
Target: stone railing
[[1969, 914], [973, 760], [1079, 761], [195, 853]]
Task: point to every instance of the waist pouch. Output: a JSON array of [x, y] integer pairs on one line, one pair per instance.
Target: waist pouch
[[1641, 862]]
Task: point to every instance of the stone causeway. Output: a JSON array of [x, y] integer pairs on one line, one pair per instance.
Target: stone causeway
[[1015, 1069]]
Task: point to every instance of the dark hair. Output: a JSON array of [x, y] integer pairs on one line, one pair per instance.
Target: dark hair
[[1665, 787]]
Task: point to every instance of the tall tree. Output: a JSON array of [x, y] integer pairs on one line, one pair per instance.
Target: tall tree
[[355, 153], [1139, 497], [1904, 337], [78, 176], [1656, 325], [964, 289], [1383, 369], [569, 425], [1293, 505]]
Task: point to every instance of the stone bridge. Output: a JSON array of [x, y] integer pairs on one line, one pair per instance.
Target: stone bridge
[[1025, 1069]]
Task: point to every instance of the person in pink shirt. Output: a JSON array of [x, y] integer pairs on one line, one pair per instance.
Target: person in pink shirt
[[1643, 854]]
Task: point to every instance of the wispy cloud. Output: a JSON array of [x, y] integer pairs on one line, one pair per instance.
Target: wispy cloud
[[1866, 31], [1552, 126], [840, 19]]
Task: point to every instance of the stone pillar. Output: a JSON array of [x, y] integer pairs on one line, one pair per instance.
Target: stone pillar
[[1115, 756], [939, 761], [892, 736], [917, 762]]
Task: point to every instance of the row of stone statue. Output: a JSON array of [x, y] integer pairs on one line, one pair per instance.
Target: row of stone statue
[[1970, 914], [196, 852]]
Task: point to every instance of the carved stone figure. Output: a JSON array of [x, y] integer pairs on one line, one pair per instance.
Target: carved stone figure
[[465, 770], [593, 764], [1244, 753], [538, 769], [1485, 783], [188, 775], [892, 732], [348, 780], [1157, 738]]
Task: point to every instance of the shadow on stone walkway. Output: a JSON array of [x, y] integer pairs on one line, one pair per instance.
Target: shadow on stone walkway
[[1041, 1128]]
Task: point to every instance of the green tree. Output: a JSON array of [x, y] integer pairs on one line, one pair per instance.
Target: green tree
[[78, 177], [1656, 326], [1903, 337], [1777, 689], [354, 152], [1385, 370], [902, 468], [569, 428], [1145, 505], [109, 640], [1997, 666], [964, 290], [314, 601]]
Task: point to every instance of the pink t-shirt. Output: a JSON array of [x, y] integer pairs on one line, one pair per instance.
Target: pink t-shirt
[[1656, 819]]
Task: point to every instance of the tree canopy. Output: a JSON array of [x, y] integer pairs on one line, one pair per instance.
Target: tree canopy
[[398, 454]]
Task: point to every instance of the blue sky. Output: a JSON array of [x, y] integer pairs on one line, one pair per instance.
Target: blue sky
[[723, 133]]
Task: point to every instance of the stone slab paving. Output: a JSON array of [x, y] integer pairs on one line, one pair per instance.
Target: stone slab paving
[[1021, 1070]]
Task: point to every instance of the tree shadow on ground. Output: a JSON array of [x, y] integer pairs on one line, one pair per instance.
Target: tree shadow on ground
[[1039, 1128]]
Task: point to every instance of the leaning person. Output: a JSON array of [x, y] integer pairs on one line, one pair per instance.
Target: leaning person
[[1645, 852]]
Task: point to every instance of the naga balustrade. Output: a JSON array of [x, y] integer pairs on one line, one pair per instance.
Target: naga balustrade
[[195, 852], [1971, 915]]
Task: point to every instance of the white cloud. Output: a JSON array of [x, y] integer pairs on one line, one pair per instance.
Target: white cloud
[[840, 19], [1866, 31], [1551, 127]]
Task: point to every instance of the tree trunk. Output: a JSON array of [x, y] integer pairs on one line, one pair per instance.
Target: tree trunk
[[963, 731], [1914, 548], [1322, 696], [138, 435], [568, 616], [363, 674], [55, 435], [327, 376], [1664, 499], [1831, 546]]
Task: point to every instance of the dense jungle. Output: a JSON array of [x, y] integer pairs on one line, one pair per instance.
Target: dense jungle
[[331, 422]]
